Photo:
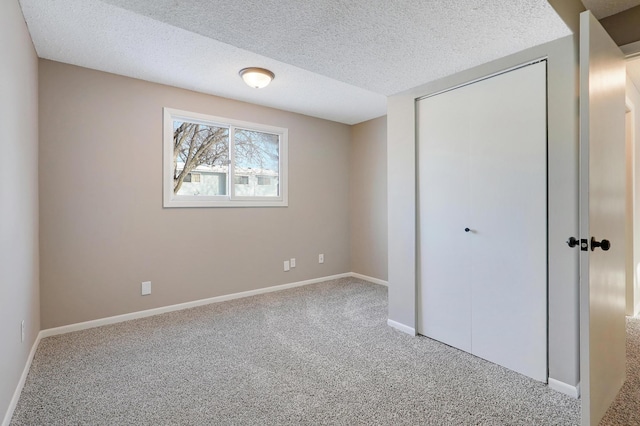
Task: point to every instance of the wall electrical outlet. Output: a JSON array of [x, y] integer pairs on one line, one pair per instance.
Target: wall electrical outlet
[[293, 262], [146, 288], [321, 258], [22, 331], [286, 265]]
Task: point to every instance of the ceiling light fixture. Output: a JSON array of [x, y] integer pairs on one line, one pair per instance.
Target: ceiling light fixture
[[256, 77]]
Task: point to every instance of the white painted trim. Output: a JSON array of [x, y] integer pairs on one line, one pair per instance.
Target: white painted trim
[[635, 226], [171, 308], [486, 77], [557, 385], [399, 326], [370, 279], [23, 378]]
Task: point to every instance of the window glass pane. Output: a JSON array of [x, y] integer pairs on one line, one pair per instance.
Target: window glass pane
[[264, 180], [257, 157], [241, 180], [203, 149]]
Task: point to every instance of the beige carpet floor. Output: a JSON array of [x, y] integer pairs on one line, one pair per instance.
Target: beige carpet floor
[[319, 354]]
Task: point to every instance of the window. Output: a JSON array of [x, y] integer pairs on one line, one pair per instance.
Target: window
[[217, 162], [241, 180], [264, 180]]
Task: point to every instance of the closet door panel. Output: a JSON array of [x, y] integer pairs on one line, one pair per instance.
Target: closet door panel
[[509, 204], [482, 166], [444, 296]]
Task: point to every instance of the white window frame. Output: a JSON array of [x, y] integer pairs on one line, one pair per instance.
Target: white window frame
[[230, 200]]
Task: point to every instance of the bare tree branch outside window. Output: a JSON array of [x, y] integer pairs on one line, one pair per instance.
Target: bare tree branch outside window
[[256, 150], [196, 145]]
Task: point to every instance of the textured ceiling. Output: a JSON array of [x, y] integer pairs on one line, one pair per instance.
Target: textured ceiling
[[99, 36], [333, 59], [603, 8], [380, 45]]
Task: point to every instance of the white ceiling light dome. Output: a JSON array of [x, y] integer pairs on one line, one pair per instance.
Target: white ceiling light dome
[[256, 77]]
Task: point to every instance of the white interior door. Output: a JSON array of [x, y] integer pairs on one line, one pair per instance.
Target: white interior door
[[482, 168], [602, 216]]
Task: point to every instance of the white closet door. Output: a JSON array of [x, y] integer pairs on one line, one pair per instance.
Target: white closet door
[[509, 203], [444, 311], [482, 166]]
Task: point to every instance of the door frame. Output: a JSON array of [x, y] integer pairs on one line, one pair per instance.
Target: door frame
[[635, 223], [632, 51]]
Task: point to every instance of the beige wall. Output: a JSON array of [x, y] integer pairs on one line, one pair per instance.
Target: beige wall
[[103, 228], [563, 198], [19, 298], [368, 198]]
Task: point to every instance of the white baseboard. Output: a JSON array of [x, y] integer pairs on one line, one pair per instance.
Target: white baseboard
[[572, 391], [399, 326], [370, 279], [23, 378], [180, 306]]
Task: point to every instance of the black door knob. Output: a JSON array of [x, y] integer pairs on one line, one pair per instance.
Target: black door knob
[[573, 241], [604, 244], [467, 229]]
